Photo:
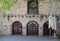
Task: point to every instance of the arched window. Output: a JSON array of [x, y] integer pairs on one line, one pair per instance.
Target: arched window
[[33, 7]]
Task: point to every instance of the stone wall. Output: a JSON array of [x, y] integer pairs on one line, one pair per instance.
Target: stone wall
[[44, 7], [47, 7], [6, 28], [20, 9]]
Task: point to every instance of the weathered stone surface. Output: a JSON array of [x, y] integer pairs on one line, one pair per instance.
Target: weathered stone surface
[[20, 9]]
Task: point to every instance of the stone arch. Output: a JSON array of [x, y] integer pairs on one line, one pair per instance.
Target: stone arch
[[32, 28], [16, 27], [46, 29]]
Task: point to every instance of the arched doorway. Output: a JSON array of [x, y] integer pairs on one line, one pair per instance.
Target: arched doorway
[[16, 28], [45, 29], [32, 28]]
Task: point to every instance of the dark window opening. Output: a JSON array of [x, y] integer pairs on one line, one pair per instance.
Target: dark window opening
[[33, 7]]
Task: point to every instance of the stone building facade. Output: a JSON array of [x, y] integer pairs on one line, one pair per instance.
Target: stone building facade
[[19, 13]]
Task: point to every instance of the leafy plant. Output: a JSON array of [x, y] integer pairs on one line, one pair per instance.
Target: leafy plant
[[6, 4]]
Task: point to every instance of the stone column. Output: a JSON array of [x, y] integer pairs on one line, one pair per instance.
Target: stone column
[[40, 30], [10, 25], [24, 32]]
